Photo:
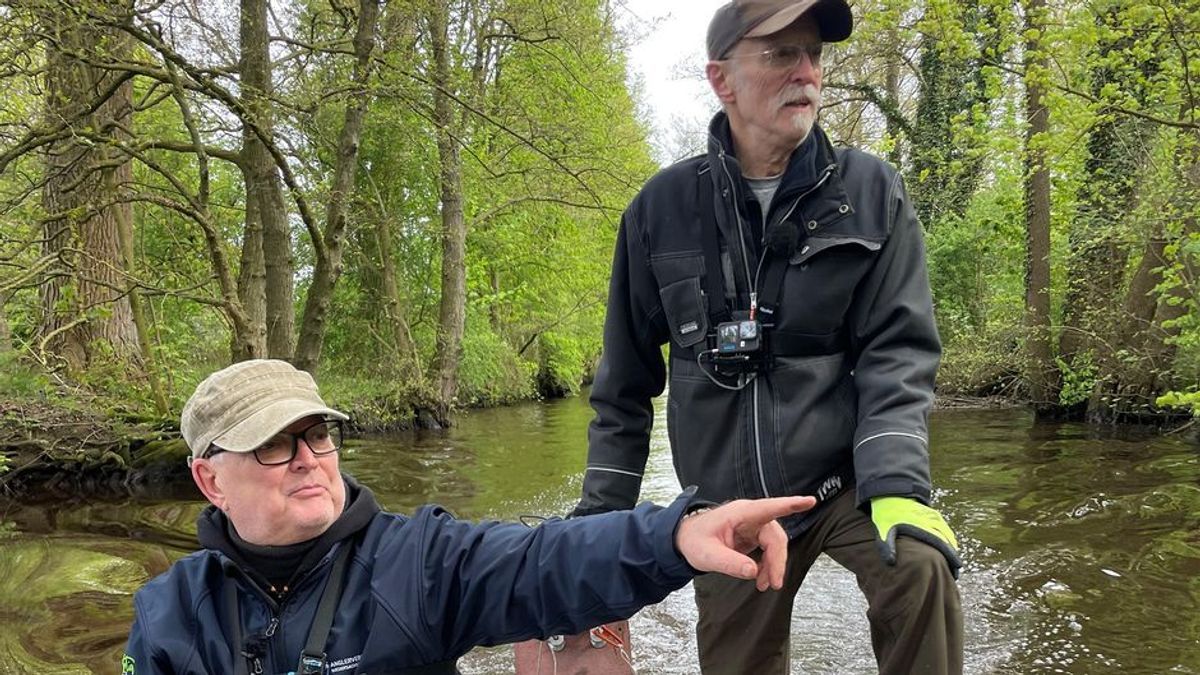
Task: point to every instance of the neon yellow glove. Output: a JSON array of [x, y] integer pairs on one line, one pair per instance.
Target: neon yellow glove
[[903, 515]]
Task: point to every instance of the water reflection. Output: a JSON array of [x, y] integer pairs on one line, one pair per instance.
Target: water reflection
[[1083, 547]]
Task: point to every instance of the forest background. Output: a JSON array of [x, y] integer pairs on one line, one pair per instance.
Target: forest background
[[417, 200]]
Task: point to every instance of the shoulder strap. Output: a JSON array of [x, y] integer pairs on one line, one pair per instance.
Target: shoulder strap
[[234, 618], [772, 287], [714, 275], [312, 659]]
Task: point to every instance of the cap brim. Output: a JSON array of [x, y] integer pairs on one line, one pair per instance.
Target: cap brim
[[782, 19], [262, 425], [834, 20]]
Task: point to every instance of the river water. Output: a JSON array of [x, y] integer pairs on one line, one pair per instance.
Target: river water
[[1082, 546]]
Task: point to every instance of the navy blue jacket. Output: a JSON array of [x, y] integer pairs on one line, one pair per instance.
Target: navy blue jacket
[[419, 590]]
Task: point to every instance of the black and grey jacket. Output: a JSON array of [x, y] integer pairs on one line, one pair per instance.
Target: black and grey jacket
[[847, 405]]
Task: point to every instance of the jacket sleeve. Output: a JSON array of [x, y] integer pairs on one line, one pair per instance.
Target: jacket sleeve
[[494, 583], [630, 374], [897, 355], [139, 656]]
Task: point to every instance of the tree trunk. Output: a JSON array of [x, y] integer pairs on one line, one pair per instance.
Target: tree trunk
[[408, 361], [265, 206], [947, 167], [279, 269], [892, 92], [84, 300], [329, 251], [251, 287], [1097, 260], [1040, 372], [1130, 385], [6, 345], [452, 311], [494, 308], [139, 319]]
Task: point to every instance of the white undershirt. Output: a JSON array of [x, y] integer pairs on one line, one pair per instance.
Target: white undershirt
[[764, 189]]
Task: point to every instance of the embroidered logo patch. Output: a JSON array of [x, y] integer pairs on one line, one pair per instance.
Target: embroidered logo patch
[[689, 327], [126, 665], [829, 488]]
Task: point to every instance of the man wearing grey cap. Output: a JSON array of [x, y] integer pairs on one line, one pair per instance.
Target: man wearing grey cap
[[789, 279], [303, 573]]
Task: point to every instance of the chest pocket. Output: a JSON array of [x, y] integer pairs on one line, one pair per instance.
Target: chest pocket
[[680, 279], [821, 282]]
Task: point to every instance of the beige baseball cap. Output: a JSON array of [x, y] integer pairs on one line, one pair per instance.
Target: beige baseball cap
[[238, 408]]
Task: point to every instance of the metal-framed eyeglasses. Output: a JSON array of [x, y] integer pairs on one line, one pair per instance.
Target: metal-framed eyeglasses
[[785, 57], [322, 438]]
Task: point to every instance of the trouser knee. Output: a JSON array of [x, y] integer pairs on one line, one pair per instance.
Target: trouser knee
[[920, 580], [922, 566]]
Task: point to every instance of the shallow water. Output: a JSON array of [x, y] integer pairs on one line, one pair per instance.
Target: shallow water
[[1082, 546]]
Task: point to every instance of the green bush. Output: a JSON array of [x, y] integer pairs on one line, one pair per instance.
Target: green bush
[[1176, 399], [490, 371], [1078, 379], [376, 401], [563, 365], [982, 362]]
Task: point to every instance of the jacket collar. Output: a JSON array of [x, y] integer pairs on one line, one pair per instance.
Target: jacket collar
[[275, 566], [805, 168]]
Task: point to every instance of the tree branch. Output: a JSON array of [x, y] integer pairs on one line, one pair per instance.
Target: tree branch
[[1105, 105]]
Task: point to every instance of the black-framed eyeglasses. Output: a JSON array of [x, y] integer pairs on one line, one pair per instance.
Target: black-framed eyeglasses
[[322, 438], [785, 57]]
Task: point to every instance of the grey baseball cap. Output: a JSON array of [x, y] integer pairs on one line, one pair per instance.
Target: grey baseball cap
[[240, 407], [755, 18]]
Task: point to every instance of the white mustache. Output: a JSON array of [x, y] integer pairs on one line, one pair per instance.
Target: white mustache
[[805, 93]]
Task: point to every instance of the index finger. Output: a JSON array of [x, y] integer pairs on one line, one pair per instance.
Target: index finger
[[778, 507]]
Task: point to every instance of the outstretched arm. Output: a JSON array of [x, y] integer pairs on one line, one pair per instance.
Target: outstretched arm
[[460, 585]]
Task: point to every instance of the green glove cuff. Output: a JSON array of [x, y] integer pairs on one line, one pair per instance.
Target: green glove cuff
[[893, 516]]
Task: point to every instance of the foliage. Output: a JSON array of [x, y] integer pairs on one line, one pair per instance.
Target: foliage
[[564, 364], [18, 380], [491, 374], [1079, 378], [940, 87], [1175, 399], [550, 148]]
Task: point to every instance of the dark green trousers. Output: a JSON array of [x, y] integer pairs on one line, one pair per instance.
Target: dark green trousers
[[913, 607]]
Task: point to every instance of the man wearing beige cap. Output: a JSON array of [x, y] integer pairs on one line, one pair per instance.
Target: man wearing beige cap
[[302, 572], [789, 279]]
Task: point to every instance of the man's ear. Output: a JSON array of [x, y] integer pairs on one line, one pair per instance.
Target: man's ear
[[205, 476], [721, 81]]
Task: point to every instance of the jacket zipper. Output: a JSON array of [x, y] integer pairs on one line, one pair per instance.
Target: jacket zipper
[[758, 455], [276, 614], [753, 281], [275, 620], [270, 635], [741, 232], [824, 177]]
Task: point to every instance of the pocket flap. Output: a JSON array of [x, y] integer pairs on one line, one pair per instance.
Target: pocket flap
[[672, 267], [683, 303], [814, 245]]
